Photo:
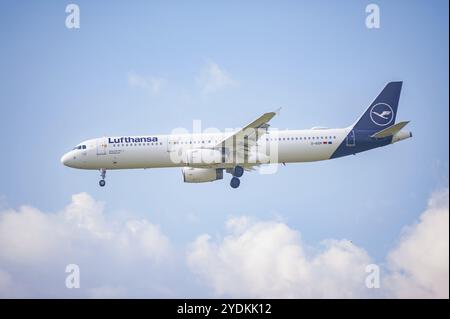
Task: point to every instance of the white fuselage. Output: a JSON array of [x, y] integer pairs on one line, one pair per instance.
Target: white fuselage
[[169, 150]]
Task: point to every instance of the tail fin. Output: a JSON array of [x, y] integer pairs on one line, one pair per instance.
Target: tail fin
[[383, 110]]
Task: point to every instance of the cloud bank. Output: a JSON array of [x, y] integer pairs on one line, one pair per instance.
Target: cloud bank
[[268, 260], [35, 248], [133, 258], [420, 262]]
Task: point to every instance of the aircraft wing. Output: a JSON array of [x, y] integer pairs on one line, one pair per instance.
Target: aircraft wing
[[239, 144], [250, 131], [391, 130]]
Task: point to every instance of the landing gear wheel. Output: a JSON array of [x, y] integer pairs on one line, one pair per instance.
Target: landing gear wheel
[[102, 182], [235, 182], [238, 171]]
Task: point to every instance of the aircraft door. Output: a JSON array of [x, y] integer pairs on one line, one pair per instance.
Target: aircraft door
[[102, 145], [351, 139]]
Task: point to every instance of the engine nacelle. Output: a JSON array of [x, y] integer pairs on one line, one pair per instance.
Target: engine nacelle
[[203, 157], [201, 175]]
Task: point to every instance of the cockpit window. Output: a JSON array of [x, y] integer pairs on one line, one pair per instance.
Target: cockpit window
[[80, 147]]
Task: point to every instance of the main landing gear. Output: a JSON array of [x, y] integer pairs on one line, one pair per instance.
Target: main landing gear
[[102, 182], [235, 182], [237, 172]]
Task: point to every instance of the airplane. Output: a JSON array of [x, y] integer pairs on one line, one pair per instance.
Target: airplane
[[204, 157]]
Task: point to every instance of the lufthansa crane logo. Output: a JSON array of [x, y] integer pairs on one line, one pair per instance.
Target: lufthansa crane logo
[[381, 114]]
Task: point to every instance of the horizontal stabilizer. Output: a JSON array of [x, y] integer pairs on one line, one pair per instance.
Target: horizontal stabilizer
[[391, 130]]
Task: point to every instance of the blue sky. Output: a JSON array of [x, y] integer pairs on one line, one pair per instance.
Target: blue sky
[[315, 59]]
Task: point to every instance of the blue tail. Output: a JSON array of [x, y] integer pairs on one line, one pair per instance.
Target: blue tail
[[382, 112]]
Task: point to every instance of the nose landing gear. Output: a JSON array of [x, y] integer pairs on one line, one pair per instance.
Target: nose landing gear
[[102, 182]]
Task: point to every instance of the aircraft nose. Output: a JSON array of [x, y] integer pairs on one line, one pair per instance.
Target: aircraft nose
[[65, 159]]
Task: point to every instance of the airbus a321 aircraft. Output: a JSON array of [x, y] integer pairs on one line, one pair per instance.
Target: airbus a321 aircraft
[[204, 157]]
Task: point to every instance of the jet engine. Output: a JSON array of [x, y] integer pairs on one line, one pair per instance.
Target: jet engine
[[203, 157], [201, 175]]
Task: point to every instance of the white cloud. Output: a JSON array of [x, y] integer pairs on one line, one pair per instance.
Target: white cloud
[[213, 78], [27, 235], [151, 84], [269, 260], [420, 262], [35, 247], [133, 258]]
